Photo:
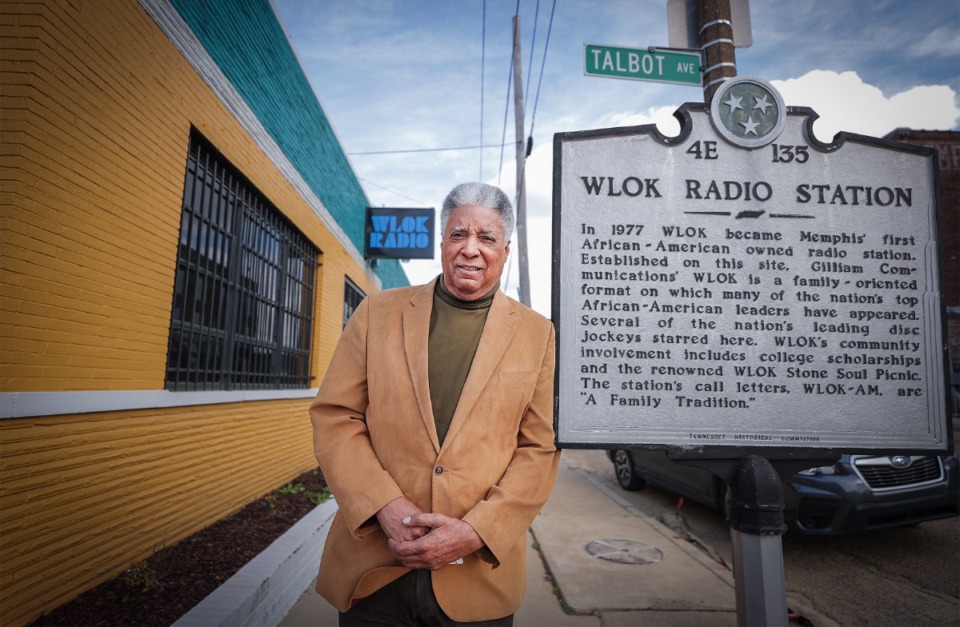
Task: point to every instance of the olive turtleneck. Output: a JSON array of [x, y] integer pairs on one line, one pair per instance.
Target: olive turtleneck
[[455, 329]]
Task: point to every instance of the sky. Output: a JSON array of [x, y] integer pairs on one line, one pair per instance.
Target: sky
[[404, 81]]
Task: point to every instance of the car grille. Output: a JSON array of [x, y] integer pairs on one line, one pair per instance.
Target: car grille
[[879, 473]]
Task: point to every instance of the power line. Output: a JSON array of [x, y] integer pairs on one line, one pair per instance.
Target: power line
[[533, 45], [506, 107], [543, 64], [408, 150], [506, 110], [368, 181], [483, 62]]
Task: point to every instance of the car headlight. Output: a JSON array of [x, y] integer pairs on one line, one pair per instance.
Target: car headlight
[[821, 470]]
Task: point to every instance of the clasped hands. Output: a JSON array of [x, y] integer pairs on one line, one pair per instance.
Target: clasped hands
[[420, 540]]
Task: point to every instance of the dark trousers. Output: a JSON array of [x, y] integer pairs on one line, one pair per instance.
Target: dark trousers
[[408, 601]]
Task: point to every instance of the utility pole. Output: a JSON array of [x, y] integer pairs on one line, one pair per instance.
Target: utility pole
[[715, 29], [521, 215]]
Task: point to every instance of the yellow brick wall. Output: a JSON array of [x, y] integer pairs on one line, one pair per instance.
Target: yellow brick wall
[[85, 496], [97, 112], [97, 107]]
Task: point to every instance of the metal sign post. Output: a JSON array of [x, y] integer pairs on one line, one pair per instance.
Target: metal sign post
[[754, 509]]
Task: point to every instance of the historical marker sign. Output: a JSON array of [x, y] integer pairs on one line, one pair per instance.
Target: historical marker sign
[[745, 285], [653, 64]]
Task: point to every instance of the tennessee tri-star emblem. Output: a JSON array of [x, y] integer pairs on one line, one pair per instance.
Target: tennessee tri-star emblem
[[748, 112]]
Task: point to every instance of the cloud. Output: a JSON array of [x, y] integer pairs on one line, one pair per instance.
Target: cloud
[[845, 103], [663, 117], [941, 42]]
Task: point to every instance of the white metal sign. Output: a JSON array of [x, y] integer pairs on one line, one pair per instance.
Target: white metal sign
[[745, 285]]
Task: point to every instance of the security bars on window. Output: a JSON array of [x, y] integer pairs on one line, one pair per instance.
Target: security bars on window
[[243, 296], [352, 295]]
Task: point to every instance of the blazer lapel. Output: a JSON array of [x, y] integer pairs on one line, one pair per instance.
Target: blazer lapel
[[416, 333], [497, 333]]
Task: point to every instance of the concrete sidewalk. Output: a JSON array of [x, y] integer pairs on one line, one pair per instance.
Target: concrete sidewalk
[[611, 565]]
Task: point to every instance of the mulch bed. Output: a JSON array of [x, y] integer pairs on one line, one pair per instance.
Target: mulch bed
[[164, 587]]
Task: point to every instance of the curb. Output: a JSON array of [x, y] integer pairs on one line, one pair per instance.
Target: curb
[[263, 591]]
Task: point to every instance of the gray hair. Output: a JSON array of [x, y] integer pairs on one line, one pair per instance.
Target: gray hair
[[482, 195]]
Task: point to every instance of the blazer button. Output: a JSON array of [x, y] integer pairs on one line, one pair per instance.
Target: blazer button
[[438, 470]]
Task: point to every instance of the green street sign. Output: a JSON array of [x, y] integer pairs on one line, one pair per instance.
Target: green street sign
[[653, 64]]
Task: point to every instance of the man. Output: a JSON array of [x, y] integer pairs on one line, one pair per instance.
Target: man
[[434, 430]]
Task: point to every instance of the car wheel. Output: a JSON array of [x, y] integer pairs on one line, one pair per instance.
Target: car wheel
[[627, 477]]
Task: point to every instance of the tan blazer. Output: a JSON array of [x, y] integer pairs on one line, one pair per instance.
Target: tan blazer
[[375, 440]]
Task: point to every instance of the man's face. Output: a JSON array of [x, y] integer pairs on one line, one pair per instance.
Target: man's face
[[473, 250]]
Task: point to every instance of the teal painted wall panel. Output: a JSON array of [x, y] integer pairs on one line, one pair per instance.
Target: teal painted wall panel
[[249, 45]]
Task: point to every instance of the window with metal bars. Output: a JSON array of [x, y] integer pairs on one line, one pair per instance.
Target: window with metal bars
[[242, 314], [352, 295]]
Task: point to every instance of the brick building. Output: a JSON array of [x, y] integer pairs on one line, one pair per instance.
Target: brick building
[[181, 242], [947, 144]]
